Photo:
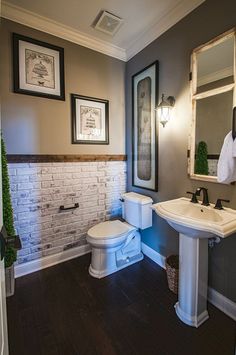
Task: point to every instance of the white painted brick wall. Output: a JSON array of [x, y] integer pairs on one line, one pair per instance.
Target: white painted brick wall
[[38, 190], [212, 166]]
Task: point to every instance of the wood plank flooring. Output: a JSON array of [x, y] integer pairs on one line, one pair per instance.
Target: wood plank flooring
[[62, 310]]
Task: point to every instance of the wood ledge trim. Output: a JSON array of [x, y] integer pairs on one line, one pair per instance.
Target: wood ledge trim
[[39, 158]]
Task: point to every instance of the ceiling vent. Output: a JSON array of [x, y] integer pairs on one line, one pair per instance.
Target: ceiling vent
[[108, 23]]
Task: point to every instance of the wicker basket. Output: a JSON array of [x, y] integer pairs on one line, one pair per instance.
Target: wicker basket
[[172, 270]]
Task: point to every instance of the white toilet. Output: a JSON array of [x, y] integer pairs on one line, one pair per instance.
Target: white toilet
[[117, 244]]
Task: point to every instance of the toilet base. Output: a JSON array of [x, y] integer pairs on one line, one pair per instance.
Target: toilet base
[[121, 265]]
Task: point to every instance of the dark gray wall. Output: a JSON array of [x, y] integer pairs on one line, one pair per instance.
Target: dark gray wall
[[173, 50]]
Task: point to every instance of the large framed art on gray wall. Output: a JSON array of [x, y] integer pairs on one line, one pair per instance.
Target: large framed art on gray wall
[[145, 147]]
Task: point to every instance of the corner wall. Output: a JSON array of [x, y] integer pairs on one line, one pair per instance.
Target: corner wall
[[173, 50], [35, 125]]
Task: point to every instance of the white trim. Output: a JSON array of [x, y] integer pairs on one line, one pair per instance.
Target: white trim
[[224, 304], [154, 255], [212, 92], [217, 75], [193, 321], [44, 24], [217, 299], [182, 9], [50, 260]]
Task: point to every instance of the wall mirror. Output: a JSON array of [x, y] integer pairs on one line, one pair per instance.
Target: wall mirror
[[213, 95]]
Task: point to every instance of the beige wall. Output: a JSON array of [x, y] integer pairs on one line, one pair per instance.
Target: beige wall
[[34, 125]]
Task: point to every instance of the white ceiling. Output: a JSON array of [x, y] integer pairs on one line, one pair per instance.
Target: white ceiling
[[144, 20]]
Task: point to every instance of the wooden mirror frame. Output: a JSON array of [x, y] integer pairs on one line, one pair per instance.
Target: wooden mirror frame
[[196, 96]]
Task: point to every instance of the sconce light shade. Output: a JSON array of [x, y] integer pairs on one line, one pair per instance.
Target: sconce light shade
[[164, 109]]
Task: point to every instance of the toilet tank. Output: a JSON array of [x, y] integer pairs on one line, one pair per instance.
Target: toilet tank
[[137, 210]]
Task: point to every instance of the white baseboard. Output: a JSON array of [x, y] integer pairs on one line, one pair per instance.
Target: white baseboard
[[224, 304], [217, 299], [154, 255], [50, 260]]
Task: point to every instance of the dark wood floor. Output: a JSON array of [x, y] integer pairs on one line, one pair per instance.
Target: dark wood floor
[[64, 311]]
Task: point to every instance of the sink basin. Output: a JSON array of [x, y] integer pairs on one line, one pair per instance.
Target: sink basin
[[195, 220], [195, 223]]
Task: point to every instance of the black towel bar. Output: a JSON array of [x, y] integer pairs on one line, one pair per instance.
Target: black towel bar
[[63, 208]]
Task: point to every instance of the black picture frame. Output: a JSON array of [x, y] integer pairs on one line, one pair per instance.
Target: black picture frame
[[87, 113], [145, 145], [36, 63]]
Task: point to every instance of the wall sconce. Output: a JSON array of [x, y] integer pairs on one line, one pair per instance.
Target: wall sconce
[[164, 109]]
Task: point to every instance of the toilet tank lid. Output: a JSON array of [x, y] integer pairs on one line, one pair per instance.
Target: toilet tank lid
[[137, 198]]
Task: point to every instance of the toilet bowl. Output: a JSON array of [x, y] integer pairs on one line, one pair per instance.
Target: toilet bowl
[[108, 241], [116, 244]]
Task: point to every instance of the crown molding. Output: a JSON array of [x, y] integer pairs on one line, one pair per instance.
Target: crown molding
[[168, 20], [217, 75], [44, 24]]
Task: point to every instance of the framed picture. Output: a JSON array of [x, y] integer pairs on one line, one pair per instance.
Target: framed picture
[[38, 68], [90, 120], [145, 151]]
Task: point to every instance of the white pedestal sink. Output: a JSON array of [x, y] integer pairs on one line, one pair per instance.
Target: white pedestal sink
[[195, 224]]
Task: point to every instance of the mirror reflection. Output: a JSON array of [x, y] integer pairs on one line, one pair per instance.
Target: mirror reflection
[[215, 66], [213, 85], [214, 116]]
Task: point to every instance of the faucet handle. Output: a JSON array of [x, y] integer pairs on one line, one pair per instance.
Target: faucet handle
[[218, 205], [194, 197]]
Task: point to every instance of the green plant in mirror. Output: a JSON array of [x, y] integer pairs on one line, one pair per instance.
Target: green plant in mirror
[[8, 221], [201, 163]]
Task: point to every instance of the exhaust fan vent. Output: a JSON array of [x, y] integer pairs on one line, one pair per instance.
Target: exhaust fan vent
[[108, 23]]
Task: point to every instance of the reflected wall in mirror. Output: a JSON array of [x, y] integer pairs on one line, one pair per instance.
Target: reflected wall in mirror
[[214, 112], [213, 99], [215, 65]]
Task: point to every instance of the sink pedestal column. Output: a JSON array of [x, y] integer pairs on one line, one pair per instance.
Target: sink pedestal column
[[191, 307]]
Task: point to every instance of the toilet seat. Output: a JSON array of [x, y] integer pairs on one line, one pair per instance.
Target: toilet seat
[[110, 230]]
